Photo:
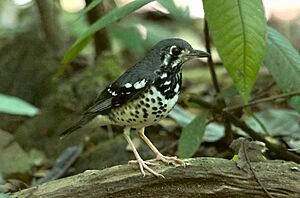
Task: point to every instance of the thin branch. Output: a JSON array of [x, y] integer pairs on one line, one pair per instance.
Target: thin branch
[[252, 170], [209, 60], [221, 102], [263, 91], [267, 99], [279, 149]]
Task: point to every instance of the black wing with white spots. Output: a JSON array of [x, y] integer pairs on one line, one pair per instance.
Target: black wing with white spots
[[125, 88]]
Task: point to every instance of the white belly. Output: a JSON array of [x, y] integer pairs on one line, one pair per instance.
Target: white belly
[[148, 109]]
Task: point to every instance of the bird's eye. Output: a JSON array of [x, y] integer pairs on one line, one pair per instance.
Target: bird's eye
[[175, 50]]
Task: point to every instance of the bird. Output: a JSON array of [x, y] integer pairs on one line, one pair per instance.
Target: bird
[[142, 96]]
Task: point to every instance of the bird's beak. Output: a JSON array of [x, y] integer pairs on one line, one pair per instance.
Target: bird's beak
[[199, 53]]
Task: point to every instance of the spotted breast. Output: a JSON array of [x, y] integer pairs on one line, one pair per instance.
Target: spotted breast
[[150, 106]]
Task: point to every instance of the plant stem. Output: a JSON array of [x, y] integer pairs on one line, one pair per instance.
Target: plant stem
[[285, 95]]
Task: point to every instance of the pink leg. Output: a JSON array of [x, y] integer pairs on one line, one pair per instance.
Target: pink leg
[[159, 156], [142, 164]]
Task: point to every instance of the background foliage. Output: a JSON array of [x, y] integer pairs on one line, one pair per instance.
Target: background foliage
[[58, 62]]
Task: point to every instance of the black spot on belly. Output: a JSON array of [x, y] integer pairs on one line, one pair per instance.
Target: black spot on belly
[[160, 103], [154, 108], [147, 105], [147, 100], [159, 99], [151, 92], [137, 112], [142, 102], [144, 110], [153, 100]]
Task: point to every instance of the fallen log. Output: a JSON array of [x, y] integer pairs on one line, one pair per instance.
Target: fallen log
[[203, 177]]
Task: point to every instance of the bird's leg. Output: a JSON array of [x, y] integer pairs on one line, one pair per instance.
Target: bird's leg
[[142, 164], [159, 156]]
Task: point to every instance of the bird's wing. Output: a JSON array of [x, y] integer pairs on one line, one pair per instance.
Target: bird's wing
[[124, 89], [127, 87]]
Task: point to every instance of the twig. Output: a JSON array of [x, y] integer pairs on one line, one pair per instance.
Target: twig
[[209, 59], [279, 149], [252, 170], [263, 91], [221, 102], [267, 99]]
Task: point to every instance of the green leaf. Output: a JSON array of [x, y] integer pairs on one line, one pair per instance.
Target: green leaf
[[72, 52], [282, 61], [191, 137], [109, 18], [295, 103], [235, 158], [2, 195], [16, 106], [238, 30], [130, 38]]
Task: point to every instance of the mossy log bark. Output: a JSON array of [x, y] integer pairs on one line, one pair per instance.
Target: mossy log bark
[[203, 177]]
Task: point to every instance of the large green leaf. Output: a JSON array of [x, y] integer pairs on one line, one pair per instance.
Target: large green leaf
[[282, 61], [191, 137], [238, 30], [16, 106], [109, 18]]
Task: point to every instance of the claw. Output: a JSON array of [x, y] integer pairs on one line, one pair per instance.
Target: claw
[[159, 156], [144, 165], [170, 160]]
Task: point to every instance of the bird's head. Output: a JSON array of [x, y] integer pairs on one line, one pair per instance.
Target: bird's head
[[174, 52]]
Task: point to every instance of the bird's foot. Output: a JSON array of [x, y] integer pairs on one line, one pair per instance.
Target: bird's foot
[[145, 165], [170, 160]]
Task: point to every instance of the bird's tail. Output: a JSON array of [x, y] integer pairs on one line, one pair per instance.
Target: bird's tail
[[80, 123]]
